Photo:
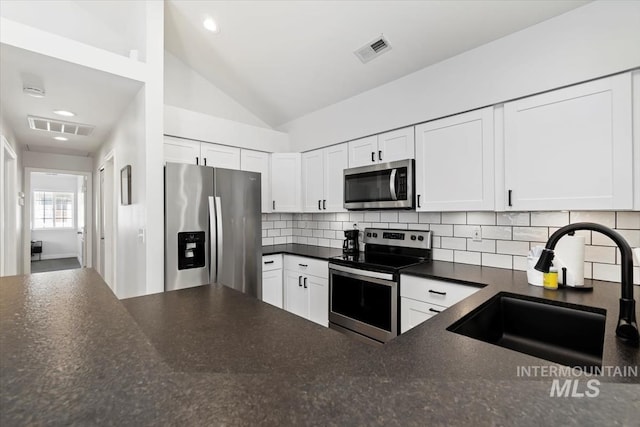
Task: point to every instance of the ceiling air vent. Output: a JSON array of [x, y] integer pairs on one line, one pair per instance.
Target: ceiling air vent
[[373, 49], [57, 126]]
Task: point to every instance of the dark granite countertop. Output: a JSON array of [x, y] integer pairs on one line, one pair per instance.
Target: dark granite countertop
[[318, 252], [73, 354]]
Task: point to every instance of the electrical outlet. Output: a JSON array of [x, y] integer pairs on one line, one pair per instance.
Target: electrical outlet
[[477, 234]]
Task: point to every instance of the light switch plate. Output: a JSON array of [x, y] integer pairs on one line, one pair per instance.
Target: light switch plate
[[477, 234]]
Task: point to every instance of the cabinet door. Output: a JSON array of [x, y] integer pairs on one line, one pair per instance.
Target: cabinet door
[[258, 161], [413, 313], [455, 163], [363, 151], [312, 180], [285, 182], [272, 287], [220, 156], [318, 292], [295, 295], [178, 150], [335, 162], [396, 145], [570, 148]]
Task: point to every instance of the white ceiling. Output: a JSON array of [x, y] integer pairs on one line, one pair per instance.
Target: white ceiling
[[285, 59], [97, 98]]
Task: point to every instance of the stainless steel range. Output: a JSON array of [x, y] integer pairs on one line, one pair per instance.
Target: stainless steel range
[[364, 287]]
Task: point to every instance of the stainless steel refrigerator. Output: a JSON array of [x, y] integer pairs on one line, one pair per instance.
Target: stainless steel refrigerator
[[213, 228]]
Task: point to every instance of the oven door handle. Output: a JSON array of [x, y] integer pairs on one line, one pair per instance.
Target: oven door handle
[[392, 184], [362, 273]]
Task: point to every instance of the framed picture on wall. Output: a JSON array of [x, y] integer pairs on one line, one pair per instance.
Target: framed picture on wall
[[125, 185]]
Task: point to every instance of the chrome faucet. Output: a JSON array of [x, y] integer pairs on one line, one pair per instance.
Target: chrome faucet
[[627, 329]]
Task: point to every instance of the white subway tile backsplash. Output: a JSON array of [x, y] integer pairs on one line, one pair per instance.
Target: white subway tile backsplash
[[378, 225], [442, 229], [286, 232], [286, 216], [306, 216], [464, 257], [266, 225], [342, 216], [273, 217], [330, 234], [511, 247], [356, 216], [423, 227], [601, 254], [274, 232], [463, 230], [481, 218], [323, 225], [631, 236], [280, 224], [336, 244], [520, 263], [588, 270], [398, 226], [407, 217], [442, 254], [497, 260], [372, 216], [323, 242], [266, 241], [312, 241], [389, 216], [605, 218], [549, 219], [608, 272], [531, 234], [435, 241], [454, 217], [336, 225], [486, 245], [513, 218], [429, 217], [496, 232], [629, 220], [453, 243]]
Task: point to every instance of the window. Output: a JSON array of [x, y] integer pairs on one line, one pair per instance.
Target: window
[[52, 210]]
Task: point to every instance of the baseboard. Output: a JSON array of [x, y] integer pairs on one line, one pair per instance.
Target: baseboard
[[54, 256]]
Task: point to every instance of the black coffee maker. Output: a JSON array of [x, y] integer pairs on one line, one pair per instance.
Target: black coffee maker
[[350, 245]]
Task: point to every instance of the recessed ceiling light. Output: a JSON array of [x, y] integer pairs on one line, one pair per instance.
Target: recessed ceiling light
[[60, 138], [64, 113], [211, 25]]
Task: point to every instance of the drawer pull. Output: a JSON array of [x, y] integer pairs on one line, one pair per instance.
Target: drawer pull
[[303, 265], [305, 283], [434, 310], [431, 291], [299, 280], [269, 262]]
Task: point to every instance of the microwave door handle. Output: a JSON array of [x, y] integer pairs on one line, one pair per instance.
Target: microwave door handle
[[392, 184]]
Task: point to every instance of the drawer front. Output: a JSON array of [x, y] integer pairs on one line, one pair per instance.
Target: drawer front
[[304, 265], [413, 313], [271, 262], [434, 291]]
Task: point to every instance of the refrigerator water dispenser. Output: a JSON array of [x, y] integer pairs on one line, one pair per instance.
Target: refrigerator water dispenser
[[191, 252]]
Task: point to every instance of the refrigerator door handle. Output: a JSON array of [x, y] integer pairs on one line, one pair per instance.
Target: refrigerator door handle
[[213, 264], [219, 234]]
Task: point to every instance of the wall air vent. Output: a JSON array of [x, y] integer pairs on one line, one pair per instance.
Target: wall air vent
[[57, 126], [373, 49]]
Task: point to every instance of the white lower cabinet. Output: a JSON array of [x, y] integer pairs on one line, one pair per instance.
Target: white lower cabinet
[[272, 280], [422, 298]]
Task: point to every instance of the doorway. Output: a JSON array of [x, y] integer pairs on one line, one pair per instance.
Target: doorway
[[106, 222], [9, 247], [57, 208]]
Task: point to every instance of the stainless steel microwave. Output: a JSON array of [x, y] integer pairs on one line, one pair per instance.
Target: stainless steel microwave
[[382, 186]]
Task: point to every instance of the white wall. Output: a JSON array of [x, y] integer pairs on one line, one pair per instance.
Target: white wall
[[32, 159], [56, 243], [597, 39], [185, 88]]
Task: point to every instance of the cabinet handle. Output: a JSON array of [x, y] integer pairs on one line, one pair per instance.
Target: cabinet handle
[[305, 283], [197, 160], [434, 310], [205, 161], [324, 205], [269, 262], [274, 204], [319, 208], [373, 156], [303, 265], [299, 280], [509, 197], [431, 291], [418, 200], [380, 155]]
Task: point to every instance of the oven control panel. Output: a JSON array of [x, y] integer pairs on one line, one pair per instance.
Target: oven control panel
[[406, 238]]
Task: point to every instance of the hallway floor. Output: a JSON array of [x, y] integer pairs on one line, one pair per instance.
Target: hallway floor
[[54, 265]]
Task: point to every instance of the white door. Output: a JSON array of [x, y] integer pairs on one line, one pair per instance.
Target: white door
[[455, 163], [177, 150], [107, 219], [363, 151], [570, 148], [258, 161], [313, 181], [335, 162], [396, 145], [81, 220], [272, 287], [286, 182], [295, 296], [8, 211], [318, 291], [101, 226], [220, 156]]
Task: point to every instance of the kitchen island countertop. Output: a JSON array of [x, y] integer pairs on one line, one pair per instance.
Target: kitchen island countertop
[[73, 354]]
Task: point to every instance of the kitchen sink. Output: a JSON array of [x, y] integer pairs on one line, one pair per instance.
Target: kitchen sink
[[567, 334]]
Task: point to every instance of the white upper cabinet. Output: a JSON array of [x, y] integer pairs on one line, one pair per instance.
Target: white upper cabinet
[[177, 150], [396, 145], [570, 148], [285, 182], [383, 148], [258, 161], [220, 156], [455, 163], [322, 179]]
